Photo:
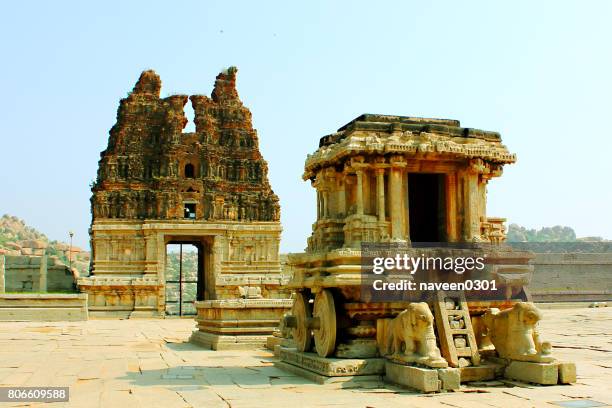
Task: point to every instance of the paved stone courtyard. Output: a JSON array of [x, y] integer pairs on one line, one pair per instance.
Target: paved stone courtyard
[[148, 363]]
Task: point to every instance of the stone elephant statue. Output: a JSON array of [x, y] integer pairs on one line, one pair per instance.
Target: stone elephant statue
[[410, 338], [514, 333]]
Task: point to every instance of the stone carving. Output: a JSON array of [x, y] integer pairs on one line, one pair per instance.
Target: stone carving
[[250, 292], [157, 185], [149, 132], [410, 338], [514, 333]]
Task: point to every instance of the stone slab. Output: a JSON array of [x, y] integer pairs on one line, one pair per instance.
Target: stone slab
[[450, 378], [365, 381], [220, 342], [537, 373], [479, 373], [43, 307], [332, 367], [422, 379], [567, 373]]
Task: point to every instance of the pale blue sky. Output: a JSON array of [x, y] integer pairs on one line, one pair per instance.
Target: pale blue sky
[[539, 72]]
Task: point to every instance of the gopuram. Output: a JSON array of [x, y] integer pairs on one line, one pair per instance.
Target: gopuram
[[393, 179], [157, 185]]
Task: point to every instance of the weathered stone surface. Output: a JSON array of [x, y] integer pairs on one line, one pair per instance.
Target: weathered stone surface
[[209, 188], [422, 379], [43, 307], [150, 167], [450, 378], [483, 372], [537, 373], [567, 373], [349, 381], [237, 323], [357, 348], [333, 367]]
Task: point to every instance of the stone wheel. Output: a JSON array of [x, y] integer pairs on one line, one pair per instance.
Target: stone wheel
[[302, 311], [325, 334]]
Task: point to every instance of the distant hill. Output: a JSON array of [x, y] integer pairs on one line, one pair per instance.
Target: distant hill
[[561, 239], [18, 238]]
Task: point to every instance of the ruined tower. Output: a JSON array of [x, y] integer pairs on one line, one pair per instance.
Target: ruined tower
[[157, 185]]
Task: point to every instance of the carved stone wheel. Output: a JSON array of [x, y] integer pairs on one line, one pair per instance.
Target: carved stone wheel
[[325, 313], [302, 334]]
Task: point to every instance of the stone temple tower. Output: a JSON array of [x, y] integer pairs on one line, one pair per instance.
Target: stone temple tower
[[157, 185]]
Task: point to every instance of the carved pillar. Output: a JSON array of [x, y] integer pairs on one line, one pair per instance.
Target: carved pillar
[[471, 220], [451, 207], [325, 196], [359, 192], [380, 194], [341, 198], [150, 254], [396, 202]]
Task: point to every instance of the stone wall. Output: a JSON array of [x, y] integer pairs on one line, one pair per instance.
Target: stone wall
[[572, 277], [50, 307], [22, 274]]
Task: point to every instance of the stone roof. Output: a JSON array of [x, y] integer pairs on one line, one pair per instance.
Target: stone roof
[[419, 138]]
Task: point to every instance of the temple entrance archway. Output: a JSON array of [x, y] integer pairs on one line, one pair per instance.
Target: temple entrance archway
[[184, 272]]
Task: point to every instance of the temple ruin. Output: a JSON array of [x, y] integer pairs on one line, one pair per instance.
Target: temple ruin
[[158, 185], [421, 183]]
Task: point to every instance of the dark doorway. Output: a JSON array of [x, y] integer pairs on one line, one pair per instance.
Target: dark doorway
[[427, 207], [189, 171], [184, 277]]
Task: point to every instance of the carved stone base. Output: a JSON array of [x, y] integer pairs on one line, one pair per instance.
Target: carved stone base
[[361, 381], [332, 367], [237, 323], [358, 348], [219, 342], [537, 373]]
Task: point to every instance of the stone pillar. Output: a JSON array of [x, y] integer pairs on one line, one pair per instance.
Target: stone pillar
[[471, 220], [318, 205], [396, 203], [42, 279], [380, 194], [341, 199], [451, 207], [325, 196], [2, 282], [359, 192]]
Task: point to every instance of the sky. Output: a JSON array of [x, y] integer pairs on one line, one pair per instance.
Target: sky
[[540, 73]]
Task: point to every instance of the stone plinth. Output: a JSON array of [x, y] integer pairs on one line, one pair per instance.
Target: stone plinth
[[237, 323], [422, 379], [333, 367], [43, 307], [541, 373]]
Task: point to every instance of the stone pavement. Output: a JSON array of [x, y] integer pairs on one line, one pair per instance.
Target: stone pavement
[[147, 363]]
